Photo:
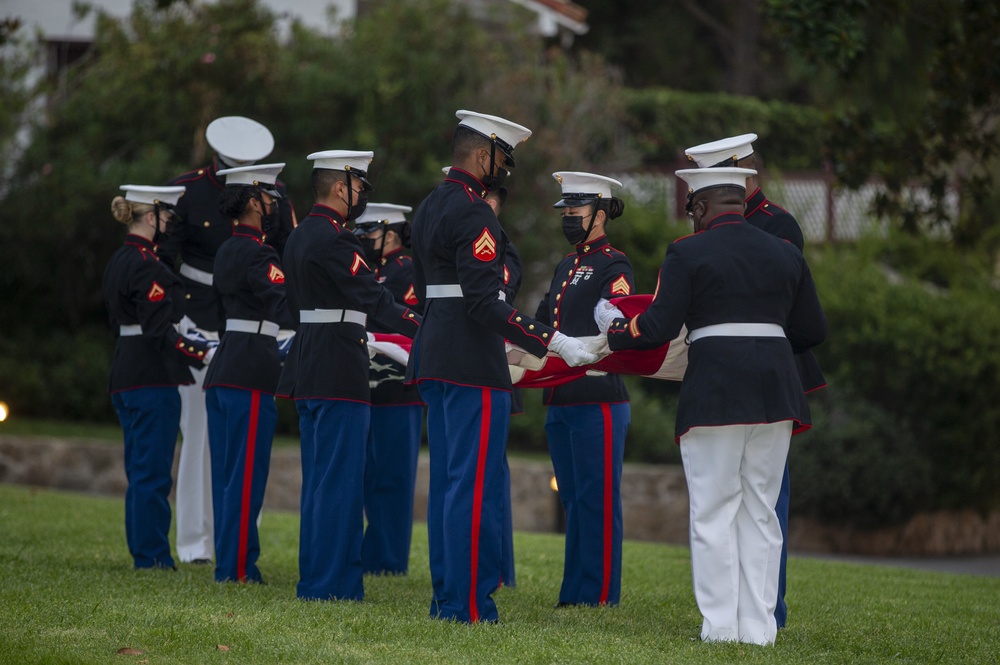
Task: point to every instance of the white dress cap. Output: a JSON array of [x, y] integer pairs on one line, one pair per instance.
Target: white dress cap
[[255, 174], [343, 160], [238, 140], [578, 185], [507, 134], [389, 213], [720, 176], [263, 176], [153, 195], [712, 154]]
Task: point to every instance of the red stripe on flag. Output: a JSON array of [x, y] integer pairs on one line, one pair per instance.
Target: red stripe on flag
[[477, 500], [608, 480], [241, 556]]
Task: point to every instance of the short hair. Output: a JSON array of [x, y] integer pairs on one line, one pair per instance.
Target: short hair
[[499, 195], [323, 181], [466, 141], [751, 161], [722, 195], [233, 200]]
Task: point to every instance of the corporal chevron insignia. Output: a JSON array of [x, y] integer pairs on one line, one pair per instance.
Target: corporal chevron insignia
[[410, 297], [276, 275], [485, 247], [621, 287], [357, 263], [156, 293]]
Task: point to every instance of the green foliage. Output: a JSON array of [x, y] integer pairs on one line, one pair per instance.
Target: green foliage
[[917, 106], [927, 357], [63, 372], [650, 434], [858, 466], [666, 122], [826, 32], [17, 53]]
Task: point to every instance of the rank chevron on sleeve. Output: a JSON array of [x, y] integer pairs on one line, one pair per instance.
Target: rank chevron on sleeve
[[485, 247]]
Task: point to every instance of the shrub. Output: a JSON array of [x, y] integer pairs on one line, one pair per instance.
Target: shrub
[[859, 465], [926, 355], [667, 121]]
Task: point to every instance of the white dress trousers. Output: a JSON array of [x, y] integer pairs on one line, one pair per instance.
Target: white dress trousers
[[733, 474], [193, 502]]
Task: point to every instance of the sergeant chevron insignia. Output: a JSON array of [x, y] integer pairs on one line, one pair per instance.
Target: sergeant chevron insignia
[[485, 247], [620, 287]]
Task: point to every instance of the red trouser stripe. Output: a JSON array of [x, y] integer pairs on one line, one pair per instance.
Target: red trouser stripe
[[477, 501], [241, 556], [608, 499]]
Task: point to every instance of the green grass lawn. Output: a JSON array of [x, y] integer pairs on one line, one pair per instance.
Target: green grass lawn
[[68, 594]]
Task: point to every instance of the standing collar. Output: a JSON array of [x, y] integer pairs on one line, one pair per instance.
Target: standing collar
[[248, 231], [386, 257], [140, 242], [593, 246], [467, 180], [320, 210], [754, 202], [725, 218]]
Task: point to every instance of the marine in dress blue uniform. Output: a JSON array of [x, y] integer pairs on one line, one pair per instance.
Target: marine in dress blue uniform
[[766, 216], [333, 293], [749, 303], [588, 419], [240, 384], [144, 300], [459, 361], [512, 271], [237, 141], [397, 410]]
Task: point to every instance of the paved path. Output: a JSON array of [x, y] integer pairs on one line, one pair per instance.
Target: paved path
[[988, 566]]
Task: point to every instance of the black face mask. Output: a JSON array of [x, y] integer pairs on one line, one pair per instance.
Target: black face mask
[[573, 229], [358, 209], [489, 180], [493, 182], [168, 226], [269, 220], [372, 255]]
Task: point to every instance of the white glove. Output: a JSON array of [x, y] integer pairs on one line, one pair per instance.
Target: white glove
[[572, 350], [185, 324], [605, 313], [284, 345], [598, 345], [371, 349], [210, 354]]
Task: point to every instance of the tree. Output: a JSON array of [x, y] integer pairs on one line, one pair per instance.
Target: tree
[[136, 107], [914, 100], [17, 55]]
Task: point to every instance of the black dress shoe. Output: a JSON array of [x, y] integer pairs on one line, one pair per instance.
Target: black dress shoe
[[201, 562]]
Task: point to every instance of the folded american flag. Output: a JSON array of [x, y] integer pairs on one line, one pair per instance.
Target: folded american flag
[[667, 362]]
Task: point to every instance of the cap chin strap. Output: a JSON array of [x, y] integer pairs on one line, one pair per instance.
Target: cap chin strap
[[590, 227], [729, 161], [350, 195], [157, 235]]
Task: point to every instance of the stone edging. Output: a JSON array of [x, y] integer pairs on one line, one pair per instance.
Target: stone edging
[[654, 500]]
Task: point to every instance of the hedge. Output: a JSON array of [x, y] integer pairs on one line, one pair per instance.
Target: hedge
[[665, 122]]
